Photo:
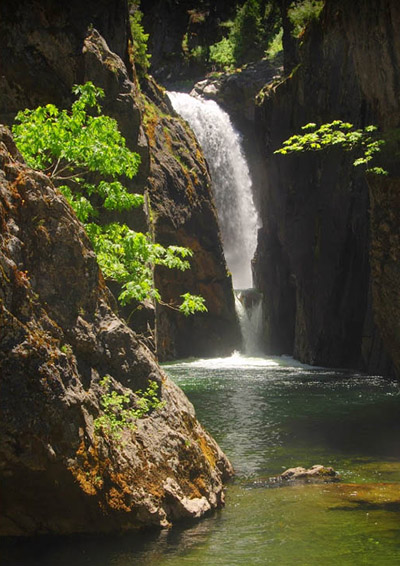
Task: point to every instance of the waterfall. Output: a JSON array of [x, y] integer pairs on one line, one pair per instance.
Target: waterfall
[[237, 215], [232, 189], [249, 310]]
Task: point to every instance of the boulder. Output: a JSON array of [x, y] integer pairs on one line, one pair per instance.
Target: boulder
[[314, 474], [59, 339]]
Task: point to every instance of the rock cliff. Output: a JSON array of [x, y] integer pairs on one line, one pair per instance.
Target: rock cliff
[[58, 339], [59, 333], [328, 249], [183, 214], [47, 48]]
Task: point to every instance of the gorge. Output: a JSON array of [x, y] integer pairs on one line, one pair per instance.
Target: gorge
[[296, 257]]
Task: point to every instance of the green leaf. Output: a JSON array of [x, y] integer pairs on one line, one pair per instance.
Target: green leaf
[[71, 145], [336, 133], [192, 304]]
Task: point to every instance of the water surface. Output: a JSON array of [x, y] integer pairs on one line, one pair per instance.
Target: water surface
[[268, 415]]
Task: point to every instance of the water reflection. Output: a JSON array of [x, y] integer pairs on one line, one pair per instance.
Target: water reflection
[[133, 549], [270, 414]]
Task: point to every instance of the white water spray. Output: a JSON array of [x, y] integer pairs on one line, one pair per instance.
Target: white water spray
[[250, 318], [230, 175]]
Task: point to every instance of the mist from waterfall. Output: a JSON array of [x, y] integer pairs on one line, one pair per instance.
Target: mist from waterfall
[[230, 175]]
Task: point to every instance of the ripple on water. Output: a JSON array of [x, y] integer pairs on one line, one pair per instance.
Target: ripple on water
[[269, 414]]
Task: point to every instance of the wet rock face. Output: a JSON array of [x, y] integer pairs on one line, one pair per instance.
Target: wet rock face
[[58, 339], [313, 264], [312, 259], [385, 257]]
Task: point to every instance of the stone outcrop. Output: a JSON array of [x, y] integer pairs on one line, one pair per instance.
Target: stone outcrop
[[316, 473], [183, 214], [58, 339], [46, 48], [236, 91], [325, 264]]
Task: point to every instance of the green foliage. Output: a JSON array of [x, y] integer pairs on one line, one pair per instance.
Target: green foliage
[[244, 42], [72, 146], [120, 412], [302, 13], [68, 145], [198, 54], [221, 54], [276, 46], [340, 134], [192, 303], [140, 39], [129, 257], [246, 34]]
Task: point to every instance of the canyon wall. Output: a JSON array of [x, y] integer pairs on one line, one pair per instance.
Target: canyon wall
[[327, 253], [45, 49], [60, 335]]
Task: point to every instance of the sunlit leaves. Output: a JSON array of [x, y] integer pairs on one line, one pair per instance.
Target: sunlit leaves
[[128, 257], [78, 145], [120, 411], [73, 142], [191, 304], [341, 134]]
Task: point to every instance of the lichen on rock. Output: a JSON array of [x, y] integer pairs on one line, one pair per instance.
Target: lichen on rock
[[58, 338]]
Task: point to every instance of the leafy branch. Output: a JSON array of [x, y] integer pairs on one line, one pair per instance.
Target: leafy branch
[[341, 134], [75, 146]]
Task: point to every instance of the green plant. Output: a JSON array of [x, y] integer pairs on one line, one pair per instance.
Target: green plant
[[120, 411], [198, 53], [192, 303], [302, 13], [221, 54], [67, 349], [73, 148], [243, 42], [140, 39], [246, 33], [338, 134], [276, 46]]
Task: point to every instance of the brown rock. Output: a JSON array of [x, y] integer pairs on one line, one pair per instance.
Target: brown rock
[[315, 473], [58, 339], [45, 49]]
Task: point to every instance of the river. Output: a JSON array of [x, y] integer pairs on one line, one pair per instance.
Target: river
[[267, 415]]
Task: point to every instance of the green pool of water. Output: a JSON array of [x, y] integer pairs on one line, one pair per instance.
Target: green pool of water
[[269, 415]]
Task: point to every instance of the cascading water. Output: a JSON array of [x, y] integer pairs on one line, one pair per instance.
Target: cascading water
[[231, 181], [232, 190], [249, 310]]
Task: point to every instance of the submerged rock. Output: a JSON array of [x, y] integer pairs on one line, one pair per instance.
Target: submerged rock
[[368, 496]]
